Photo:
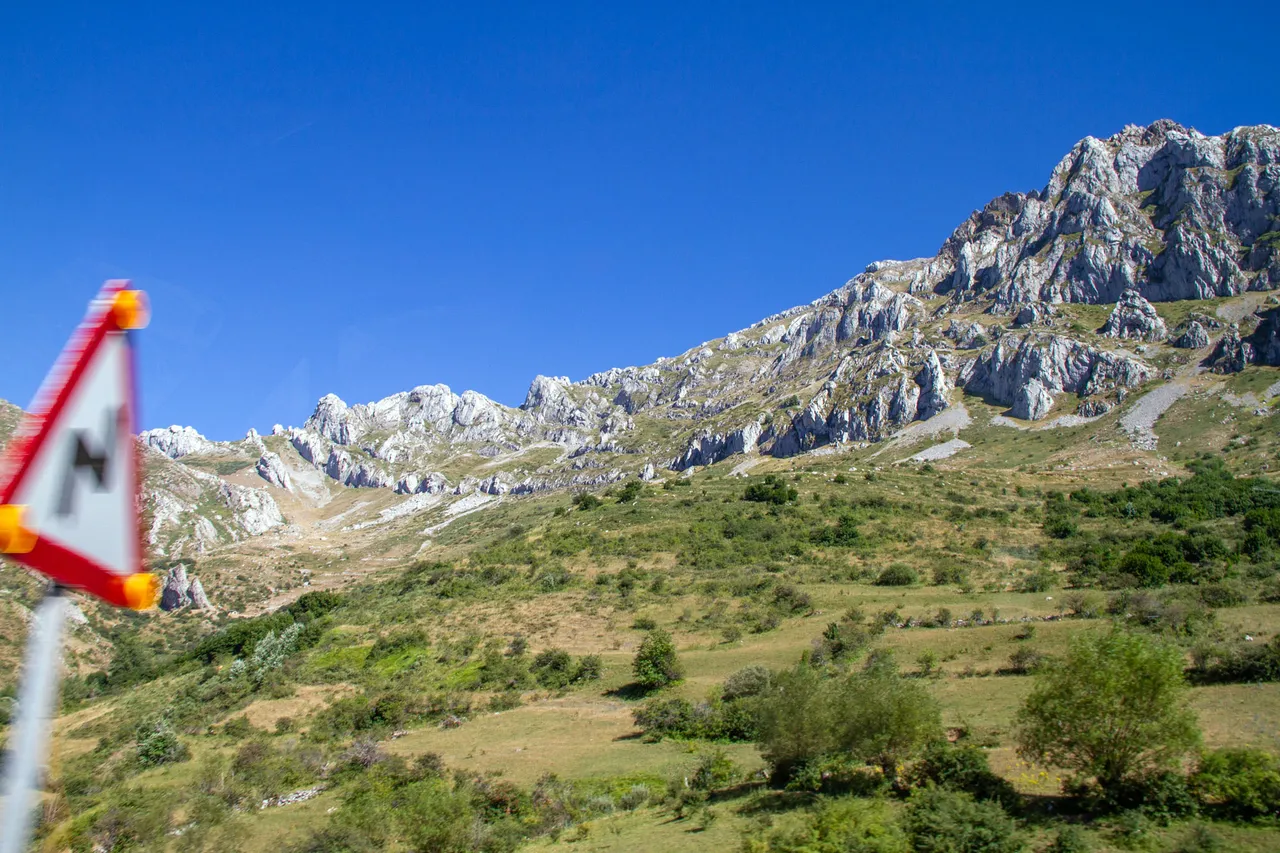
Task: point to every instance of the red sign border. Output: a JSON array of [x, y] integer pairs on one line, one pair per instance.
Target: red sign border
[[62, 564]]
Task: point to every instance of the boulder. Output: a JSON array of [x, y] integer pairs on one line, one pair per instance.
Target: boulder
[[1193, 336], [272, 469], [1134, 318], [1032, 402]]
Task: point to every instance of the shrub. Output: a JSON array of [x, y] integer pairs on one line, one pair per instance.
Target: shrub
[[1026, 660], [630, 491], [1161, 796], [875, 716], [772, 491], [590, 668], [714, 770], [1200, 838], [1041, 580], [1223, 595], [835, 826], [1239, 783], [1134, 682], [157, 743], [751, 680], [635, 797], [552, 669], [962, 768], [897, 575], [949, 575], [644, 623], [942, 821], [1070, 839], [656, 664], [586, 501]]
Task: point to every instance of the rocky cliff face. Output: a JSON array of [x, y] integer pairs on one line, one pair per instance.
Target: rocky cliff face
[[1163, 210], [1148, 215]]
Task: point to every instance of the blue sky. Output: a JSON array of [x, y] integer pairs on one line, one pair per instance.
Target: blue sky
[[360, 198]]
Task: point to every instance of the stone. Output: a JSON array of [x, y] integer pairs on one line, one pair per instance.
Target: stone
[[178, 441], [1032, 402], [179, 591], [1134, 318], [272, 469], [1232, 354], [1193, 336]]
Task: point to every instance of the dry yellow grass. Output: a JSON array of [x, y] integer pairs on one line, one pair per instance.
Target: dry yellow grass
[[576, 737]]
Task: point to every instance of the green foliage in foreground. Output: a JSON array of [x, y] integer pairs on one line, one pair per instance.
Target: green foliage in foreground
[[942, 821], [836, 826], [1113, 711]]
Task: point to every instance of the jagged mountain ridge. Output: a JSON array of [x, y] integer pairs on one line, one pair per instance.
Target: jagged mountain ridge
[[1152, 214]]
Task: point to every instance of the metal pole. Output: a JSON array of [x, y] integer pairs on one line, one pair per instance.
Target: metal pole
[[29, 736]]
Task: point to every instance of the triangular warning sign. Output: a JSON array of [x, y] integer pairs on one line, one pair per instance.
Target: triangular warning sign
[[68, 505]]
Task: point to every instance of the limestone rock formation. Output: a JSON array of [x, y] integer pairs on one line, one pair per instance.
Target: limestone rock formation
[[707, 448], [1193, 336], [179, 591], [1134, 318], [1056, 363], [1168, 211], [432, 484], [272, 469], [1032, 402], [1232, 353], [177, 441]]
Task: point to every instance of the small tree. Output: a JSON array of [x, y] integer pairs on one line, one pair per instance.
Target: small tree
[[1114, 710], [656, 664], [876, 716]]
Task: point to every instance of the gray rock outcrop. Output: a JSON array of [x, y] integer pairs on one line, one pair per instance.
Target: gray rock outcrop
[[178, 441], [1168, 211], [1193, 336], [1232, 353], [272, 469], [1032, 401], [433, 483], [707, 447], [1134, 318], [1056, 363], [178, 591]]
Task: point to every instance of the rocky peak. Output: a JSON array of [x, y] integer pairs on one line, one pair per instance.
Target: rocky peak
[[177, 441]]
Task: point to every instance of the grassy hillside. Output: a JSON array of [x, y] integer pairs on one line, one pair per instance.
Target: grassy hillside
[[485, 689]]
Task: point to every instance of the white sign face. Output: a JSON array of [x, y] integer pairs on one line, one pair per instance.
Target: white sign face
[[79, 489]]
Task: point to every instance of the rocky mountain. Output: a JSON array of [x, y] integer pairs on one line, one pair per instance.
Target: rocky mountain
[[1149, 217]]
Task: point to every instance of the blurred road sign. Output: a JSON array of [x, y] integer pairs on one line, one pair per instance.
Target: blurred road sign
[[69, 479]]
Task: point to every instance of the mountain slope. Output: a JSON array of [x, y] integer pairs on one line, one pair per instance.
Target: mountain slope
[[1160, 213]]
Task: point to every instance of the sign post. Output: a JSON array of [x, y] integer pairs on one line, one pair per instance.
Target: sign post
[[69, 510]]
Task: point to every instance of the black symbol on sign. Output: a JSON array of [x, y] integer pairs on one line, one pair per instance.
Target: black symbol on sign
[[85, 456]]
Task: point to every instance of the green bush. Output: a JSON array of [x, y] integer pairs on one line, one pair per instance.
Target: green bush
[[897, 575], [772, 491], [1069, 839], [1239, 783], [553, 668], [157, 743], [942, 821], [845, 825], [1130, 680], [714, 770], [962, 768], [875, 717], [656, 664], [751, 680]]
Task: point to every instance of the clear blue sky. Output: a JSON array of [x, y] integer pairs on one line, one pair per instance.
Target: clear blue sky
[[364, 197]]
